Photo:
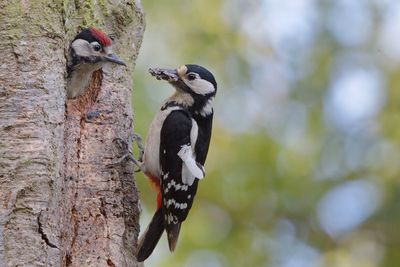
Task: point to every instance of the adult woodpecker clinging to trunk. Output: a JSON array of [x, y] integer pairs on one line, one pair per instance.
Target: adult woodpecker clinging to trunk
[[89, 51], [176, 150]]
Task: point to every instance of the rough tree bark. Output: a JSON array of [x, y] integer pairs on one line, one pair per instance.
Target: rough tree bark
[[60, 205]]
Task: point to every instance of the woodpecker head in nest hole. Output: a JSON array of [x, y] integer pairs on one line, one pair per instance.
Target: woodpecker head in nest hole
[[195, 87], [89, 51]]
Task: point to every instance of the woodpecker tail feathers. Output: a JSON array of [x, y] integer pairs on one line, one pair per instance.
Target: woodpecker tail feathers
[[173, 235], [151, 236]]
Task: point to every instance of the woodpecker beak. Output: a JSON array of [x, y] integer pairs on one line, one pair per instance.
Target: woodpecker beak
[[114, 59], [164, 74]]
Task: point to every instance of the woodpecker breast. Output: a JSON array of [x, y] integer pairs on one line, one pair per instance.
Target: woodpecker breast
[[151, 157]]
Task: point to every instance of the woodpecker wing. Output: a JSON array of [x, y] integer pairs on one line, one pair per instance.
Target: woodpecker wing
[[177, 194]]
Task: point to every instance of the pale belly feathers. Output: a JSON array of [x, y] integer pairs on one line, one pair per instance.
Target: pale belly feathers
[[152, 148]]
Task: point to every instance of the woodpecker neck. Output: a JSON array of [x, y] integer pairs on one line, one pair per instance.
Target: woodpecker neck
[[179, 99], [202, 106], [196, 105], [79, 78]]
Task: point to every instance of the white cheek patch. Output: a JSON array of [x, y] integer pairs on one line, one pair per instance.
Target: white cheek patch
[[82, 48], [200, 86]]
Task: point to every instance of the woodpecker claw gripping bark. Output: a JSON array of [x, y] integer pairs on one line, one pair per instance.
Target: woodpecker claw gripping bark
[[127, 154]]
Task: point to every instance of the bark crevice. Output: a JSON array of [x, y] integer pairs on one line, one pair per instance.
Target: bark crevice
[[42, 233]]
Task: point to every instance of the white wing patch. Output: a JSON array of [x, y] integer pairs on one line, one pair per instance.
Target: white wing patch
[[187, 176], [194, 133], [190, 169]]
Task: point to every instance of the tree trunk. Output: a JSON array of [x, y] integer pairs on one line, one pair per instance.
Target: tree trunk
[[60, 204]]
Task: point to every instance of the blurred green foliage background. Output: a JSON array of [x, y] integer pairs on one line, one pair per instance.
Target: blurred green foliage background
[[303, 168]]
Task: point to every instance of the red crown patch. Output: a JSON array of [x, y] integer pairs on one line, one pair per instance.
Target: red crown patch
[[101, 36]]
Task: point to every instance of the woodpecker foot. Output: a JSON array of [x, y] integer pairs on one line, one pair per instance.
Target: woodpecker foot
[[138, 140], [127, 153]]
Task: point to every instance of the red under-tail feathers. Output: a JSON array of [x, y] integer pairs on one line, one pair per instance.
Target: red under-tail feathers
[[155, 181]]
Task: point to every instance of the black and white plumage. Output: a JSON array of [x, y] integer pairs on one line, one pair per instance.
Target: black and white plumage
[[90, 50], [176, 150]]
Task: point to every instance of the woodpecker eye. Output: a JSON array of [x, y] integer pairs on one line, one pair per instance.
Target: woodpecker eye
[[191, 76], [96, 46]]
